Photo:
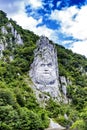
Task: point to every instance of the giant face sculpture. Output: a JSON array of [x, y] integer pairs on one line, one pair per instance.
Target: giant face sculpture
[[45, 72], [44, 69]]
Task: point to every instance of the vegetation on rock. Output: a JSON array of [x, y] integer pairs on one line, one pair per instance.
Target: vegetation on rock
[[19, 108]]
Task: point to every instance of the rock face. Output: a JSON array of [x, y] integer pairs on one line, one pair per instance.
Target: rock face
[[55, 126], [5, 41], [3, 30], [1, 48], [44, 69], [64, 82], [63, 85], [14, 32], [16, 35]]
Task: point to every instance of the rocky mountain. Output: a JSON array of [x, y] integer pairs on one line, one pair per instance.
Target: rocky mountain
[[15, 38], [39, 80], [45, 59], [44, 71]]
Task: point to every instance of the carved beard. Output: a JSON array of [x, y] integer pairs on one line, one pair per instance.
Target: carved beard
[[44, 81], [45, 77]]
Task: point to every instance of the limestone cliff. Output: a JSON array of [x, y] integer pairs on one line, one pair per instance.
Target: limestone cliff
[[9, 36], [64, 82], [44, 69]]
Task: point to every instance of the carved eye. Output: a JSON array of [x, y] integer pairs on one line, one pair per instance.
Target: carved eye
[[42, 65], [50, 64]]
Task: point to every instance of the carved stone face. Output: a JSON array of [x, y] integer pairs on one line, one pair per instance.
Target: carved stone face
[[44, 69], [45, 72]]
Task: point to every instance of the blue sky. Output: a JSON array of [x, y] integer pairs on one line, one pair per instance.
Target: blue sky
[[62, 21]]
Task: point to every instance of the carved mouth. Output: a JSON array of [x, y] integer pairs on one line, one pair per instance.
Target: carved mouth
[[46, 73]]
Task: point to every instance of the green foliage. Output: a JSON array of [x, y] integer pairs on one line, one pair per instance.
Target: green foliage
[[3, 18], [29, 120], [78, 125], [61, 120], [72, 65], [52, 108], [20, 118], [6, 97], [78, 96], [19, 108]]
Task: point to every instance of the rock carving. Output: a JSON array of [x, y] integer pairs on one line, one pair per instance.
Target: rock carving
[[44, 69]]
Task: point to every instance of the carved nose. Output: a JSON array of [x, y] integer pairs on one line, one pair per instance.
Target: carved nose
[[46, 70]]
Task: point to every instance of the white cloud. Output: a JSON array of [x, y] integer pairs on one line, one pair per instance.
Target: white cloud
[[31, 24], [26, 22], [43, 30], [80, 47], [64, 16], [79, 27], [11, 6], [35, 3], [75, 27]]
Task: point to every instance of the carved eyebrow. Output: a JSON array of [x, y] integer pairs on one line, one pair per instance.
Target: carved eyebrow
[[42, 64], [49, 64]]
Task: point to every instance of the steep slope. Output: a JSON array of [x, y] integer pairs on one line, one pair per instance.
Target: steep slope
[[44, 69], [19, 108]]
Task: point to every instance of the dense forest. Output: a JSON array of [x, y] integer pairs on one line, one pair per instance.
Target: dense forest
[[19, 108]]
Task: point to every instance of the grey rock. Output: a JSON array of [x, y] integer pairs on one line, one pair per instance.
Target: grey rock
[[1, 50], [19, 40], [3, 39], [55, 126], [44, 69], [66, 117], [12, 28], [63, 84], [16, 35], [11, 58], [3, 30]]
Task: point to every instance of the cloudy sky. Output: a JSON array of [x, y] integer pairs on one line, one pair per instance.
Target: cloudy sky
[[62, 21]]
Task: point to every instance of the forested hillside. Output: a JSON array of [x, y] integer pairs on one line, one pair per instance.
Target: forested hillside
[[19, 108]]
